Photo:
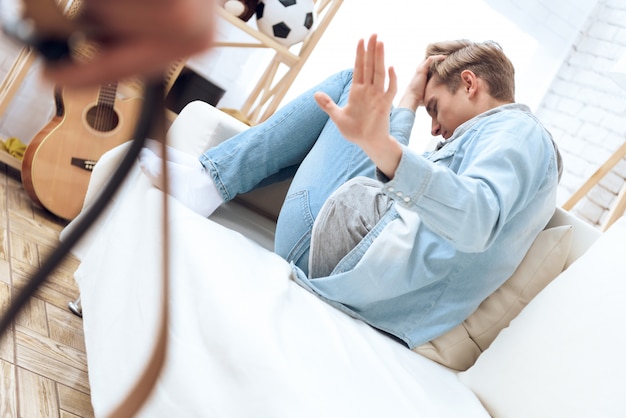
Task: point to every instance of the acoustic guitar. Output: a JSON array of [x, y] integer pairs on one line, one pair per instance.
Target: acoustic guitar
[[58, 161]]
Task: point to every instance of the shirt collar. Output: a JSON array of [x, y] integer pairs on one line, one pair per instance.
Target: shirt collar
[[464, 127]]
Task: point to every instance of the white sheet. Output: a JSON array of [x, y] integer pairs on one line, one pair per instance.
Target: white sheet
[[244, 340]]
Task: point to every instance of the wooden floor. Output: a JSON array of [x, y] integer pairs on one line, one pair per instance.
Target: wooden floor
[[43, 368]]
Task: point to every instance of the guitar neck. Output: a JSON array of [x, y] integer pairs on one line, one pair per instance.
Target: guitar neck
[[107, 94]]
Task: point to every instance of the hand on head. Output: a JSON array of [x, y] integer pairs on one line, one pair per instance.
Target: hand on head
[[414, 94]]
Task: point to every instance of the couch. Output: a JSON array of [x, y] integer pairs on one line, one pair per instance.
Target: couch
[[245, 340]]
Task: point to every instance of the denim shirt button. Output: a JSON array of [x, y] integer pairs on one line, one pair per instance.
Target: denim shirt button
[[390, 189], [399, 194], [407, 199]]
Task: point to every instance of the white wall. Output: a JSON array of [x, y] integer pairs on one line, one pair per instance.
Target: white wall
[[586, 110], [555, 25]]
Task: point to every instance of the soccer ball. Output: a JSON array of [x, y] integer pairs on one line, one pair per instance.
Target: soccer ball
[[287, 21]]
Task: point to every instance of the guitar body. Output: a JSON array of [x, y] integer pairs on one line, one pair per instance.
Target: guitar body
[[58, 161]]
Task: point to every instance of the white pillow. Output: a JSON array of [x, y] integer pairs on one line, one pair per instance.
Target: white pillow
[[200, 126], [563, 356]]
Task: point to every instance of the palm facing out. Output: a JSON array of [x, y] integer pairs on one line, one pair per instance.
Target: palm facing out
[[364, 120]]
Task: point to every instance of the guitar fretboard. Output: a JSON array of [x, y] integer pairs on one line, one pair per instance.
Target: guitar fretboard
[[107, 94]]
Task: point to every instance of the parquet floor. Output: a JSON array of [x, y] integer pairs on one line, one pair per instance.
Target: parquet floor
[[43, 367]]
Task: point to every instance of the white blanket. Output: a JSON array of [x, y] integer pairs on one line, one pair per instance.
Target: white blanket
[[244, 339]]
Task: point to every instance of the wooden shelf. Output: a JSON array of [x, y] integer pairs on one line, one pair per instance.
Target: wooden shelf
[[271, 88], [619, 205], [10, 160], [264, 40]]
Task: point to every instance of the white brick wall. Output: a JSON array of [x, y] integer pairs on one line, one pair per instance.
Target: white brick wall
[[586, 111]]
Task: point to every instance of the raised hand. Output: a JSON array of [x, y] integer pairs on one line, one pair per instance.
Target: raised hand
[[364, 120]]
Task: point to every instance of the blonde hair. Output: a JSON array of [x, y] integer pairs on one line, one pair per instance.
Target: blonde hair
[[485, 59]]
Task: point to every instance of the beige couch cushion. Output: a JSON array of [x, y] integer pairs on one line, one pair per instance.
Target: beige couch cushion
[[460, 347]]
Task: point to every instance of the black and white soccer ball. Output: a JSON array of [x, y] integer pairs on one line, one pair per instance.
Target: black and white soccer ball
[[287, 21]]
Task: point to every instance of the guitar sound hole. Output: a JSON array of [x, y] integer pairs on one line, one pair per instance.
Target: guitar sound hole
[[102, 118]]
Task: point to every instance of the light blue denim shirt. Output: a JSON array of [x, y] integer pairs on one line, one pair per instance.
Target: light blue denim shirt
[[463, 218]]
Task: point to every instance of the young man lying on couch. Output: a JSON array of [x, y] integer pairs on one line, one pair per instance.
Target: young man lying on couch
[[410, 244]]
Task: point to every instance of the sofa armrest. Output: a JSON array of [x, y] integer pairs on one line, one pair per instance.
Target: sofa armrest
[[200, 126], [561, 356], [583, 234]]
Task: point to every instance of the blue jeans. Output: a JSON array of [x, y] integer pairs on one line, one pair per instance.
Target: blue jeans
[[300, 138]]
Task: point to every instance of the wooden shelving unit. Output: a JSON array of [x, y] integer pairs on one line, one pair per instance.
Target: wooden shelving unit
[[272, 87], [619, 205]]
